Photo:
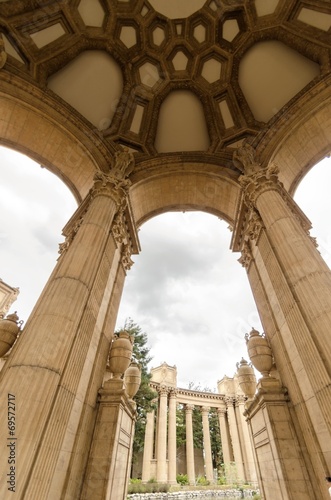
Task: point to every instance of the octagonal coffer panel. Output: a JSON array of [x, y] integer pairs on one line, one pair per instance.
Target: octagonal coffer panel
[[211, 70], [91, 83], [92, 13], [182, 124], [270, 74]]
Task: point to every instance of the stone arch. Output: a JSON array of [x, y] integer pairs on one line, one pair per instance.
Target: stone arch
[[301, 140], [185, 190], [29, 131]]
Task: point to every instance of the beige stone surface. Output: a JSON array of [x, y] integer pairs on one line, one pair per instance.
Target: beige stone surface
[[204, 61]]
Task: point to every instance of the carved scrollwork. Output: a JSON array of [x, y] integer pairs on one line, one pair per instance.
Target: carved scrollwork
[[246, 255], [126, 257], [3, 54]]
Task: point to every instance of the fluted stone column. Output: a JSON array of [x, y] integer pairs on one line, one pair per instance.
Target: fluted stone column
[[235, 439], [246, 441], [161, 466], [189, 444], [148, 447], [292, 286], [226, 445], [172, 447], [206, 443], [50, 369]]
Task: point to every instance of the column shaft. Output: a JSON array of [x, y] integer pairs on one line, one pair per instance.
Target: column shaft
[[172, 447], [246, 443], [189, 444], [226, 445], [161, 467], [207, 444], [235, 440], [148, 447]]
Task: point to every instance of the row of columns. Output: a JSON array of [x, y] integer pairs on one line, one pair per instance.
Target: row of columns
[[234, 436]]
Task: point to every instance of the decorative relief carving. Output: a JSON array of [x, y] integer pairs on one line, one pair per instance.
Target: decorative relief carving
[[116, 183], [246, 255], [3, 54], [163, 390], [126, 257]]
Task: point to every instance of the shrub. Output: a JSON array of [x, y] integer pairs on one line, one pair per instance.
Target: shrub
[[202, 481], [182, 479]]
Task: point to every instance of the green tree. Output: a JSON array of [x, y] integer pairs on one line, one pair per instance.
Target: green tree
[[145, 396]]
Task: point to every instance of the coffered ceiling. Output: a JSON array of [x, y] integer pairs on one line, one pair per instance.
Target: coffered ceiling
[[170, 76]]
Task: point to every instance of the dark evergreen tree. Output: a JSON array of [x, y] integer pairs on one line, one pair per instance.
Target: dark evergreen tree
[[145, 397]]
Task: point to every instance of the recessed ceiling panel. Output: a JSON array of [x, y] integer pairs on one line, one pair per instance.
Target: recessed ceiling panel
[[91, 12], [92, 84], [320, 20], [265, 7], [47, 35], [270, 74], [176, 9], [182, 124]]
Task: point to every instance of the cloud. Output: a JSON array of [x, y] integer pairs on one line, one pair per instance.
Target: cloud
[[186, 289]]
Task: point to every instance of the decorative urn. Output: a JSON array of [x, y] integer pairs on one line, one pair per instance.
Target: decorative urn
[[132, 379], [246, 378], [120, 354], [9, 329], [259, 352]]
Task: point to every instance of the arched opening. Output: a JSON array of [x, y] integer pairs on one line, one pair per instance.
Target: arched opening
[[35, 205], [189, 293]]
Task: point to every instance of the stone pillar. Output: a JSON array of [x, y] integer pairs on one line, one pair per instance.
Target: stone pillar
[[161, 467], [249, 461], [206, 444], [50, 371], [292, 285], [226, 445], [281, 464], [172, 446], [235, 439], [108, 469], [148, 447], [189, 444]]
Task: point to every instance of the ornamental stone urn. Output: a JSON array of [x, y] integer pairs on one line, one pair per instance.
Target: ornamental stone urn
[[132, 379], [246, 378], [9, 329], [259, 352], [120, 354]]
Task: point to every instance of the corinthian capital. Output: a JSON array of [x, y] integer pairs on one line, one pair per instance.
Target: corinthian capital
[[113, 186], [255, 183]]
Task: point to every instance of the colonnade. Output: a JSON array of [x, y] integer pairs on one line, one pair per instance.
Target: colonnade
[[160, 449]]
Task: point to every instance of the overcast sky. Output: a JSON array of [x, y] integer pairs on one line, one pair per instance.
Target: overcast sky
[[186, 289]]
